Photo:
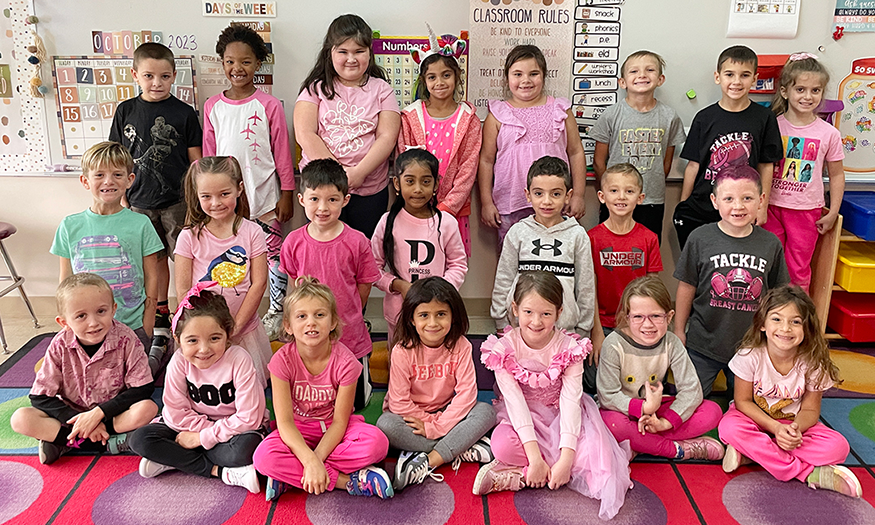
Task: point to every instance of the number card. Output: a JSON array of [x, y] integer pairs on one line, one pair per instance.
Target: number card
[[88, 90]]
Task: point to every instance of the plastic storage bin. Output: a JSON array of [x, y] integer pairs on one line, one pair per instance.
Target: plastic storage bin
[[858, 210], [855, 268], [853, 316]]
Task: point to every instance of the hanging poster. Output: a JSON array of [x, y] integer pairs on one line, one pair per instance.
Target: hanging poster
[[854, 122], [763, 18], [854, 16]]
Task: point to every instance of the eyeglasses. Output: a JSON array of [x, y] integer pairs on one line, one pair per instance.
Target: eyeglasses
[[654, 318]]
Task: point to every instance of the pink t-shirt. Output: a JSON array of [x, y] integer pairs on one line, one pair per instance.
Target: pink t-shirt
[[348, 125], [313, 395], [341, 263], [225, 261], [440, 134], [798, 179]]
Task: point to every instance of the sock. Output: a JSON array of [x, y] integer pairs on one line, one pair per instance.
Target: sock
[[219, 469], [163, 308], [680, 451], [61, 438]]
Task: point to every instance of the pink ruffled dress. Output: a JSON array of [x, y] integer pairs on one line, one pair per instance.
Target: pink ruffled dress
[[548, 379]]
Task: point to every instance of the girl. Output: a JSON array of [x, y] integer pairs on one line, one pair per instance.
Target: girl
[[415, 238], [446, 127], [347, 111], [549, 433], [781, 370], [318, 445], [634, 360], [433, 415], [220, 244], [214, 410], [250, 125], [794, 209], [517, 132]]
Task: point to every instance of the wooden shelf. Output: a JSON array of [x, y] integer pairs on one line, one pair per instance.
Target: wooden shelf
[[850, 237]]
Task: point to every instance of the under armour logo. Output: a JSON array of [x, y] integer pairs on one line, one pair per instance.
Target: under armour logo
[[555, 247], [679, 222]]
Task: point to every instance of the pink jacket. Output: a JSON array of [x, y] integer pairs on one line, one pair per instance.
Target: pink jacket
[[454, 192]]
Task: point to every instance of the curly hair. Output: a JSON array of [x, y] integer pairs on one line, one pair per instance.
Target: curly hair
[[243, 34]]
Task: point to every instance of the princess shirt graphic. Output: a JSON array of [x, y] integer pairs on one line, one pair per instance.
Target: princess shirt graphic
[[344, 126]]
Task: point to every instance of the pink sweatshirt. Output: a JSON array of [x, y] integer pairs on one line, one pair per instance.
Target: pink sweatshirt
[[424, 380], [219, 402]]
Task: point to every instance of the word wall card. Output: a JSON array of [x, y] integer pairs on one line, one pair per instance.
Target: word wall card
[[393, 55]]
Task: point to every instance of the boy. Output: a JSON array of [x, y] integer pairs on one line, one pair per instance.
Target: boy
[[723, 271], [163, 135], [337, 255], [732, 132], [112, 241], [641, 131], [94, 384]]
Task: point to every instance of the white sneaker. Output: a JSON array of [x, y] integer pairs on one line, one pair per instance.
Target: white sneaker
[[150, 469], [245, 477], [273, 324]]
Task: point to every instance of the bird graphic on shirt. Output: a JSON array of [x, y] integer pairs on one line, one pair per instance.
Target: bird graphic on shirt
[[228, 269]]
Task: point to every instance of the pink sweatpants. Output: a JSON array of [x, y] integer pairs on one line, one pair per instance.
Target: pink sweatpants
[[362, 445], [820, 446], [798, 234], [506, 445], [705, 418]]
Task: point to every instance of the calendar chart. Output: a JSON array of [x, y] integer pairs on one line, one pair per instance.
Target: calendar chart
[[393, 55], [88, 89]]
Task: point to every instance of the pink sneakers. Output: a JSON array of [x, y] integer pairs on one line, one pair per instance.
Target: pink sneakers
[[496, 477], [837, 478], [702, 448]]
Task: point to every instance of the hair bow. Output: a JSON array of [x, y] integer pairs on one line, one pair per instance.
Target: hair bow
[[801, 56], [184, 303], [446, 45]]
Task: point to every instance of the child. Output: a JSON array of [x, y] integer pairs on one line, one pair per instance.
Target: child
[[164, 135], [732, 132], [214, 410], [549, 433], [318, 445], [113, 242], [445, 126], [340, 256], [433, 415], [782, 368], [415, 239], [527, 126], [220, 244], [346, 111], [250, 125], [634, 362], [94, 384], [642, 131], [794, 209], [723, 272]]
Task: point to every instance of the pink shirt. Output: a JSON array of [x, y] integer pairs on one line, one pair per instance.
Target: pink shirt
[[82, 382], [441, 134], [348, 125], [341, 263], [219, 402], [313, 395], [424, 380], [225, 261], [798, 180]]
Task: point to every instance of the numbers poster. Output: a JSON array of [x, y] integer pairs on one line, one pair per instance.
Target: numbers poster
[[88, 89]]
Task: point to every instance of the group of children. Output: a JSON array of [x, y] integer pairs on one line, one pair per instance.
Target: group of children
[[576, 310]]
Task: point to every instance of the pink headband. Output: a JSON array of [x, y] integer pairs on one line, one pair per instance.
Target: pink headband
[[801, 56], [184, 303]]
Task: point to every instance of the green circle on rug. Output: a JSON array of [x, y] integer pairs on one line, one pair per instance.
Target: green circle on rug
[[10, 440], [863, 419]]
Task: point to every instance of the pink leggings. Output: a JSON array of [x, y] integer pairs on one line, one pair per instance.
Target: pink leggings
[[705, 418], [362, 445], [798, 234], [506, 445], [820, 446]]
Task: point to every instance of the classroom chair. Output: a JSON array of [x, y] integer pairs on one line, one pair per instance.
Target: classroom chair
[[7, 230]]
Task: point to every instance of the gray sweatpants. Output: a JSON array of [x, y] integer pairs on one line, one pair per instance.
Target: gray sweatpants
[[476, 424]]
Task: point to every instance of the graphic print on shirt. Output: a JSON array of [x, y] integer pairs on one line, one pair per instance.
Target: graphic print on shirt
[[434, 371], [313, 399], [796, 168], [609, 259], [211, 395], [228, 269], [416, 260], [344, 126], [733, 285], [150, 163], [641, 146], [252, 122], [731, 149], [105, 256], [550, 248]]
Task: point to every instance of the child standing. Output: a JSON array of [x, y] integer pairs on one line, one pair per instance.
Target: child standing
[[634, 362], [794, 208], [527, 126], [782, 368], [248, 124], [340, 256], [348, 112], [723, 271], [445, 126], [415, 239], [731, 132], [318, 445], [214, 410], [94, 384], [220, 244], [641, 131], [433, 414], [549, 432]]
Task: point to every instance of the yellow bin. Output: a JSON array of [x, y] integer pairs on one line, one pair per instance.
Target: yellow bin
[[855, 269]]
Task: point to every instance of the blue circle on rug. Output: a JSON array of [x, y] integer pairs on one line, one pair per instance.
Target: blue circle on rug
[[174, 497], [557, 507], [430, 503], [20, 486], [757, 498]]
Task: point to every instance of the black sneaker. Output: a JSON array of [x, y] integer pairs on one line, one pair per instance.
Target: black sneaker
[[158, 350], [49, 452]]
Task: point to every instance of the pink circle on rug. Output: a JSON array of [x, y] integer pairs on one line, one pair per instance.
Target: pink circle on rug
[[174, 497], [564, 506], [431, 503], [20, 486]]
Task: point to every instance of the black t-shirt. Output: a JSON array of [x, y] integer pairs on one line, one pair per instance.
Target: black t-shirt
[[158, 135], [720, 138]]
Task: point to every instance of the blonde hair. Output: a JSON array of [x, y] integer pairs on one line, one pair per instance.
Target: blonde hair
[[646, 286], [196, 218], [660, 62], [105, 154], [305, 287], [624, 168], [78, 280], [791, 72]]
